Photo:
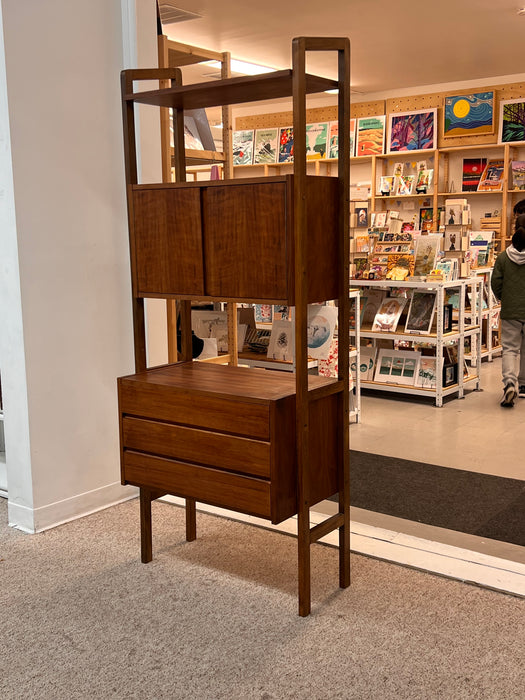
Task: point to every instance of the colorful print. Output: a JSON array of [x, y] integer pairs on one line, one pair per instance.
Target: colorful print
[[469, 114], [412, 131]]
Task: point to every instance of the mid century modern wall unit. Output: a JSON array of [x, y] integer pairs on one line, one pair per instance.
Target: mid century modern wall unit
[[265, 443]]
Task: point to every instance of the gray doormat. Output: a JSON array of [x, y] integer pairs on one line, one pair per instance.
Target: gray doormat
[[477, 504]]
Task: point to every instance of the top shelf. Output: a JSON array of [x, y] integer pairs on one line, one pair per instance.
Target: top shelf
[[251, 88]]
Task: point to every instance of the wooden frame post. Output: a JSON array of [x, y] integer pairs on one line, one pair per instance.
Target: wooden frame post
[[305, 535]]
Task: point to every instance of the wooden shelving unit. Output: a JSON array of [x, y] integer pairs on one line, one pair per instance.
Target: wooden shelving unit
[[260, 442]]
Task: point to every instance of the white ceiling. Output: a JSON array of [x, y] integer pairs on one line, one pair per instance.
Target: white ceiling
[[395, 44]]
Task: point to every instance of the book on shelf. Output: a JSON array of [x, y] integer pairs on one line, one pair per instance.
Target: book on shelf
[[481, 248], [456, 212], [370, 138], [400, 266], [388, 314], [316, 140], [282, 341], [518, 174], [366, 363], [405, 185], [424, 180], [242, 146], [427, 372], [371, 303], [266, 145], [426, 249], [492, 176], [387, 185], [333, 140], [321, 324], [360, 243], [472, 171], [397, 366], [449, 267], [421, 312], [285, 144], [359, 217]]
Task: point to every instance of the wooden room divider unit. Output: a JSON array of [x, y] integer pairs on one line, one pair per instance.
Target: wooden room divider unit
[[261, 442]]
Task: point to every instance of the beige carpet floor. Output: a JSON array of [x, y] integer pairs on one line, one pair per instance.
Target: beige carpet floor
[[217, 619]]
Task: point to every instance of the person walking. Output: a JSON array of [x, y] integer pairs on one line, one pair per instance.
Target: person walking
[[508, 284]]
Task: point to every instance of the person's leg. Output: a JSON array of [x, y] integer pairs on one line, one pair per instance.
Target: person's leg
[[510, 351], [521, 375]]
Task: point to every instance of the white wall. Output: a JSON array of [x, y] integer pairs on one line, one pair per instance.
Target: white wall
[[63, 61]]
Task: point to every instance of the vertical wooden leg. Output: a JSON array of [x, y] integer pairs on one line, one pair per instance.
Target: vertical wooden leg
[[191, 520], [303, 538], [344, 551], [146, 548]]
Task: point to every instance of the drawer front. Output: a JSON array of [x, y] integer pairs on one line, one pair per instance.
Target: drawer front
[[218, 488], [227, 452], [166, 403]]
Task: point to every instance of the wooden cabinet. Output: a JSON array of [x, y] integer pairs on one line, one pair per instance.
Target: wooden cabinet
[[234, 240], [256, 441], [233, 445]]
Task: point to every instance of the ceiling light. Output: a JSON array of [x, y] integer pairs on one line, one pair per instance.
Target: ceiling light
[[169, 14], [242, 67]]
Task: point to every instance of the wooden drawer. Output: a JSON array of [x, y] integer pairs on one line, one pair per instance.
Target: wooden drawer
[[240, 493], [202, 411], [228, 435], [227, 452]]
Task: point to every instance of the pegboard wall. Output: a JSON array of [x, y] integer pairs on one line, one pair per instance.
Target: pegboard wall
[[316, 114], [411, 103]]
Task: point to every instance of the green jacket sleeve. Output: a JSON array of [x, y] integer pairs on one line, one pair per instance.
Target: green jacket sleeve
[[496, 281]]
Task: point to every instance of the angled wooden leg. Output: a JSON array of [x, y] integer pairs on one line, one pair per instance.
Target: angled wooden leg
[[191, 520], [304, 578], [146, 546]]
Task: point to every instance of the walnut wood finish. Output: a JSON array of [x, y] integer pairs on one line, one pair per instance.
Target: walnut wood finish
[[164, 448], [242, 247], [166, 222], [269, 86], [281, 240]]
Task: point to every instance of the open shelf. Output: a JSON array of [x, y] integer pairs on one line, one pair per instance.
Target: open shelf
[[252, 88]]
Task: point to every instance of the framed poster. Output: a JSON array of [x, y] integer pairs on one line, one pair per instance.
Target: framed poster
[[266, 143], [242, 147], [468, 115], [370, 136], [512, 121], [316, 140], [412, 131]]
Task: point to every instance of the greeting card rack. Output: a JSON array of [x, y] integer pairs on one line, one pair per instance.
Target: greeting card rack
[[460, 331], [269, 444]]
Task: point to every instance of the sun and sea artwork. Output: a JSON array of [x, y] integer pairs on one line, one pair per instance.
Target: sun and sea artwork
[[512, 121], [467, 115], [412, 131]]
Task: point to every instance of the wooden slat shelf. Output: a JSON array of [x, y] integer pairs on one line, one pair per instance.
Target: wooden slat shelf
[[253, 88]]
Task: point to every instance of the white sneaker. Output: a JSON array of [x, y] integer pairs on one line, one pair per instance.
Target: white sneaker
[[509, 394]]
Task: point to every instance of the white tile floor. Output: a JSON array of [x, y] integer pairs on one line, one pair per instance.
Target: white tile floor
[[473, 433]]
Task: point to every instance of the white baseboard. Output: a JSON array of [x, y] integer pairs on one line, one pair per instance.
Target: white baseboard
[[427, 555], [34, 520]]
